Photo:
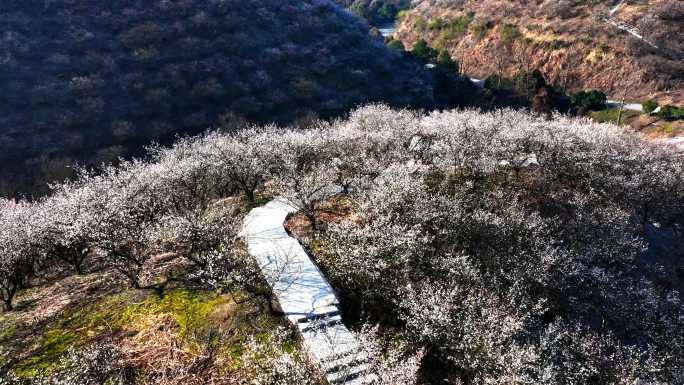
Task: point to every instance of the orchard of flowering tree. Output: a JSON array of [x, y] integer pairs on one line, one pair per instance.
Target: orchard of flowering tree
[[497, 248]]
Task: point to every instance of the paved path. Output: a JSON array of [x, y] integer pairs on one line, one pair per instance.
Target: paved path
[[609, 103], [387, 30], [304, 295], [479, 83], [616, 7], [626, 106]]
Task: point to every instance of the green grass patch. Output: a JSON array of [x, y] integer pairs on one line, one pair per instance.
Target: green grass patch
[[73, 328], [559, 44], [237, 350], [421, 24], [670, 129], [510, 32], [191, 311], [667, 129], [53, 345], [479, 30], [611, 116], [450, 29], [7, 328]]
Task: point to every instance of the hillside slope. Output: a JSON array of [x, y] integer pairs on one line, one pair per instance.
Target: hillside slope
[[484, 248], [376, 12], [576, 43], [91, 80]]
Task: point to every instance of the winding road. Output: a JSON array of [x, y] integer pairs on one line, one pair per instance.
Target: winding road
[[634, 31], [626, 106], [609, 103], [387, 30], [304, 295]]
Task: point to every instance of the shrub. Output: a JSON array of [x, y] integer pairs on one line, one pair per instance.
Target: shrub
[[479, 29], [396, 44], [510, 32], [423, 52], [649, 106], [589, 100], [446, 63], [671, 112], [376, 11]]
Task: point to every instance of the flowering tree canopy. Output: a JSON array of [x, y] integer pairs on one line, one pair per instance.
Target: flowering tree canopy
[[503, 247]]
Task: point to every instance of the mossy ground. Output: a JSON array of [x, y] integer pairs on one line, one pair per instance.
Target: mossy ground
[[666, 129], [192, 319], [649, 125]]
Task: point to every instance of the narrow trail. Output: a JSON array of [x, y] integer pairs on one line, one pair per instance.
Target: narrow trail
[[626, 106], [304, 295], [634, 31], [616, 7]]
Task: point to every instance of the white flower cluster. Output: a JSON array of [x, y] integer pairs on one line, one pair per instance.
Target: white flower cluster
[[512, 248], [93, 365], [269, 361]]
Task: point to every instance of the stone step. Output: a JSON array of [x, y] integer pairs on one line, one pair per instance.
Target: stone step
[[363, 380], [345, 362], [317, 314], [319, 324], [339, 353], [348, 374], [304, 295]]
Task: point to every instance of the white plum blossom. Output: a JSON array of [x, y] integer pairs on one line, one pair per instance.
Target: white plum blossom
[[504, 248], [18, 253], [268, 362]]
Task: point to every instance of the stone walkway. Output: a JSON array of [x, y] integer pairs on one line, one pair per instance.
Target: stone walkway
[[304, 295]]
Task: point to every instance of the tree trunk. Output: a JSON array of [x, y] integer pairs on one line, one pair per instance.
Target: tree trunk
[[133, 277], [250, 195], [7, 304], [71, 258], [78, 265], [311, 215], [622, 106]]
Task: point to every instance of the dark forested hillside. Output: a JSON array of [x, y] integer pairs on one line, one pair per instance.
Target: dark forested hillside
[[91, 80], [376, 11]]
